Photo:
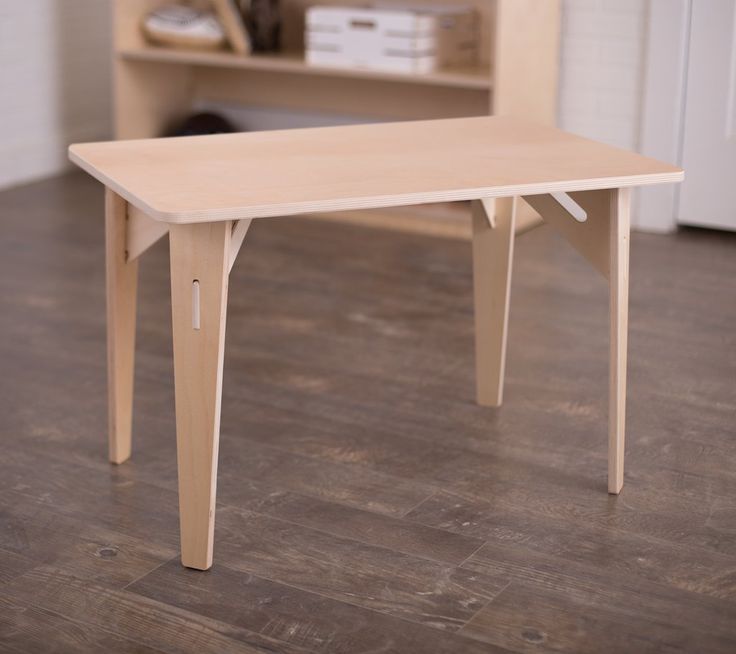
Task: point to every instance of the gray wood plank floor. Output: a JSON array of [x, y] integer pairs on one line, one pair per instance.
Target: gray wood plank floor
[[366, 504]]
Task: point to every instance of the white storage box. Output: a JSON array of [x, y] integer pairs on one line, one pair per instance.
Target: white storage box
[[394, 38]]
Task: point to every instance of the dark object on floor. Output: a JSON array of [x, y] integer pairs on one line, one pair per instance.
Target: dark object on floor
[[263, 20], [203, 123]]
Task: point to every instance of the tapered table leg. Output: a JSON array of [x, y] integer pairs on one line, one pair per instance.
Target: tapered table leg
[[200, 257], [493, 250], [620, 201], [122, 283]]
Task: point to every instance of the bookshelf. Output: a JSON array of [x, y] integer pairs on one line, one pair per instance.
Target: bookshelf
[[155, 87]]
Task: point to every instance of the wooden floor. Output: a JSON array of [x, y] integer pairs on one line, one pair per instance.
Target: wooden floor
[[366, 503]]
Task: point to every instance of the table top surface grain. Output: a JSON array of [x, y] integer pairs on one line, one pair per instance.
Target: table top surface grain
[[288, 172]]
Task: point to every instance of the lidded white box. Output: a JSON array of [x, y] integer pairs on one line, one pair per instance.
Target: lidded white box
[[394, 38]]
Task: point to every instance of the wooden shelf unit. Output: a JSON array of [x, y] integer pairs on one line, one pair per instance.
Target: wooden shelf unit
[[155, 87]]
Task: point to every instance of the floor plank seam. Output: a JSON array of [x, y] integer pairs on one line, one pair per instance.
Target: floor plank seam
[[573, 580], [471, 555], [63, 616], [696, 550], [332, 598], [151, 571], [483, 608], [417, 505], [657, 540], [350, 538]]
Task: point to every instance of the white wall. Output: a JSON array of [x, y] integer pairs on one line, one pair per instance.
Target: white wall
[[55, 83], [601, 69]]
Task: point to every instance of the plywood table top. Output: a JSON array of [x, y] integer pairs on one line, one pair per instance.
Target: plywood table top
[[287, 172]]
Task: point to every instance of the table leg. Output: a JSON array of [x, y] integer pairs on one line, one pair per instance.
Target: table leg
[[619, 227], [493, 251], [122, 284], [200, 259]]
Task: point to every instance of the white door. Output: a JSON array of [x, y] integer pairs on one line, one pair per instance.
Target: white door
[[708, 196]]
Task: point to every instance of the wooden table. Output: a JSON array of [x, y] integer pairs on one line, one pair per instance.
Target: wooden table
[[204, 191]]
